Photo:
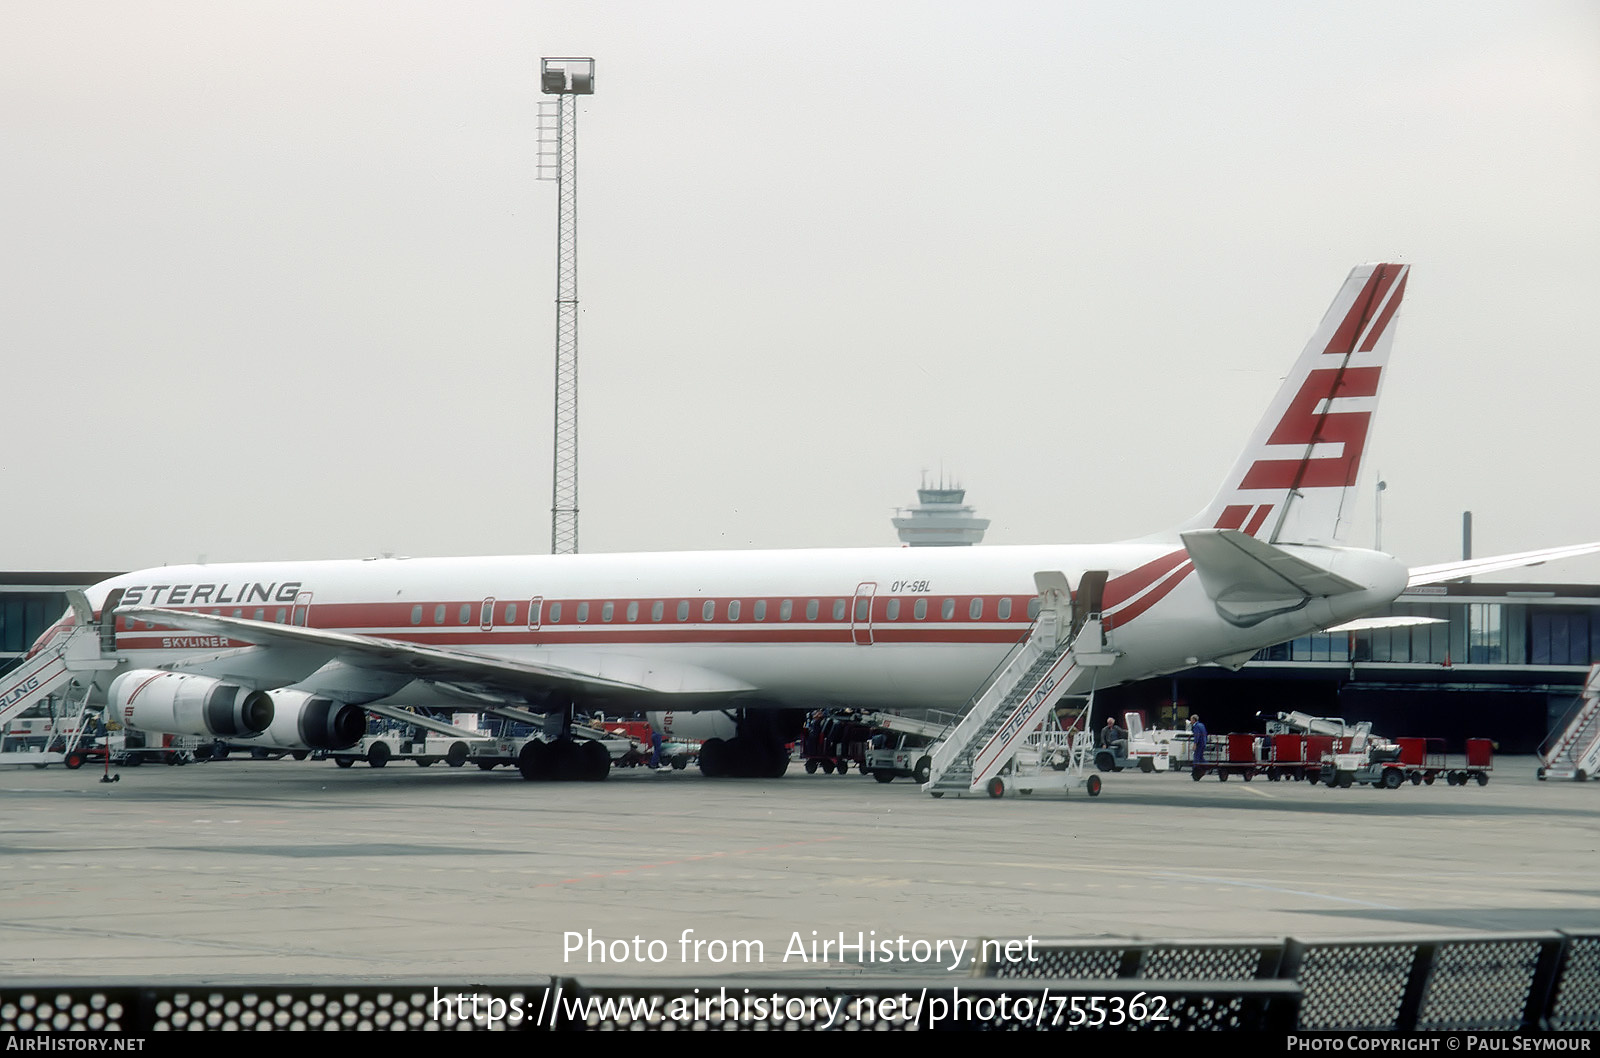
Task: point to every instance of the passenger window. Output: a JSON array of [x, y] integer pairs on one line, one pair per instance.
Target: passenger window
[[1005, 608], [416, 614], [975, 610], [733, 610], [511, 614], [583, 613], [555, 613], [811, 610], [838, 609], [893, 613], [240, 613], [786, 609], [633, 612], [920, 611], [760, 612], [863, 609], [261, 615], [708, 612], [466, 612], [948, 610], [657, 608], [606, 610], [683, 610], [438, 614], [1033, 608], [281, 615]]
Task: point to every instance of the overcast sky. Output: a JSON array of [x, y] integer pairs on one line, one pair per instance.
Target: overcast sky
[[278, 278]]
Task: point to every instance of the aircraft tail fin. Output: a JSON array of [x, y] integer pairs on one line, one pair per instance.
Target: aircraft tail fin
[[1295, 480]]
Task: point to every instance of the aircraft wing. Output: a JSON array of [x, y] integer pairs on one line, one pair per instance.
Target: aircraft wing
[[1365, 624], [1473, 566], [592, 674]]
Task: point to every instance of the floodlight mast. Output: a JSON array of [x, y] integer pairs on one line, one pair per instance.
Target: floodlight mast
[[565, 79]]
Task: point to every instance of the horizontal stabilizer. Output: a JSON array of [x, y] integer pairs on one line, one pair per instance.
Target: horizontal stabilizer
[[1235, 567], [1472, 567]]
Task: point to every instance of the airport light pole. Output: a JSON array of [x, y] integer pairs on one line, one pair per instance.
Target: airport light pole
[[566, 80]]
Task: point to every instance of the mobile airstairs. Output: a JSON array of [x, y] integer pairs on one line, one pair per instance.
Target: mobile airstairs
[[1008, 740], [60, 675], [1574, 753]]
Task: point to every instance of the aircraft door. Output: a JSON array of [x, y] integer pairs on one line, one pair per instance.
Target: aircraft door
[[486, 618], [301, 615], [535, 612], [861, 613]]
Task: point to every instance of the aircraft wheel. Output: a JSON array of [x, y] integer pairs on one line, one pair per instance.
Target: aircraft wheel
[[1483, 778], [1092, 784], [883, 775], [596, 761], [811, 767], [219, 751], [1392, 779], [536, 760], [713, 758], [997, 787], [345, 762], [378, 755], [923, 770]]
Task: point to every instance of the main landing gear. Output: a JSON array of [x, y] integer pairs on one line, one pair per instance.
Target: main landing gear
[[759, 751], [564, 758]]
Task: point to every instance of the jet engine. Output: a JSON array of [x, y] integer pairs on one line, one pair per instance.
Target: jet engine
[[704, 725], [309, 721], [178, 703]]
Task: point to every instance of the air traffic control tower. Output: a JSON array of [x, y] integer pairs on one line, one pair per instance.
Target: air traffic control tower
[[940, 519]]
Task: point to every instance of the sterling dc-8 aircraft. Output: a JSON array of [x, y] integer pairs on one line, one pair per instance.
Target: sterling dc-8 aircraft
[[291, 654]]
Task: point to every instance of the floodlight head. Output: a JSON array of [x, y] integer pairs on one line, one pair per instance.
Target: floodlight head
[[567, 77]]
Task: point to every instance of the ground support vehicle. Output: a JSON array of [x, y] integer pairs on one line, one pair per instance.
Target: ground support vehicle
[[906, 756], [1480, 762], [1051, 760], [833, 742], [1422, 759], [425, 749], [1229, 755], [1148, 750], [904, 745], [1572, 751]]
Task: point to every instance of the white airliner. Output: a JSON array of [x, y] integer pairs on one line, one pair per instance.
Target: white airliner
[[291, 653]]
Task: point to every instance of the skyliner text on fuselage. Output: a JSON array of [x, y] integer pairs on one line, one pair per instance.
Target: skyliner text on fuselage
[[292, 653]]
